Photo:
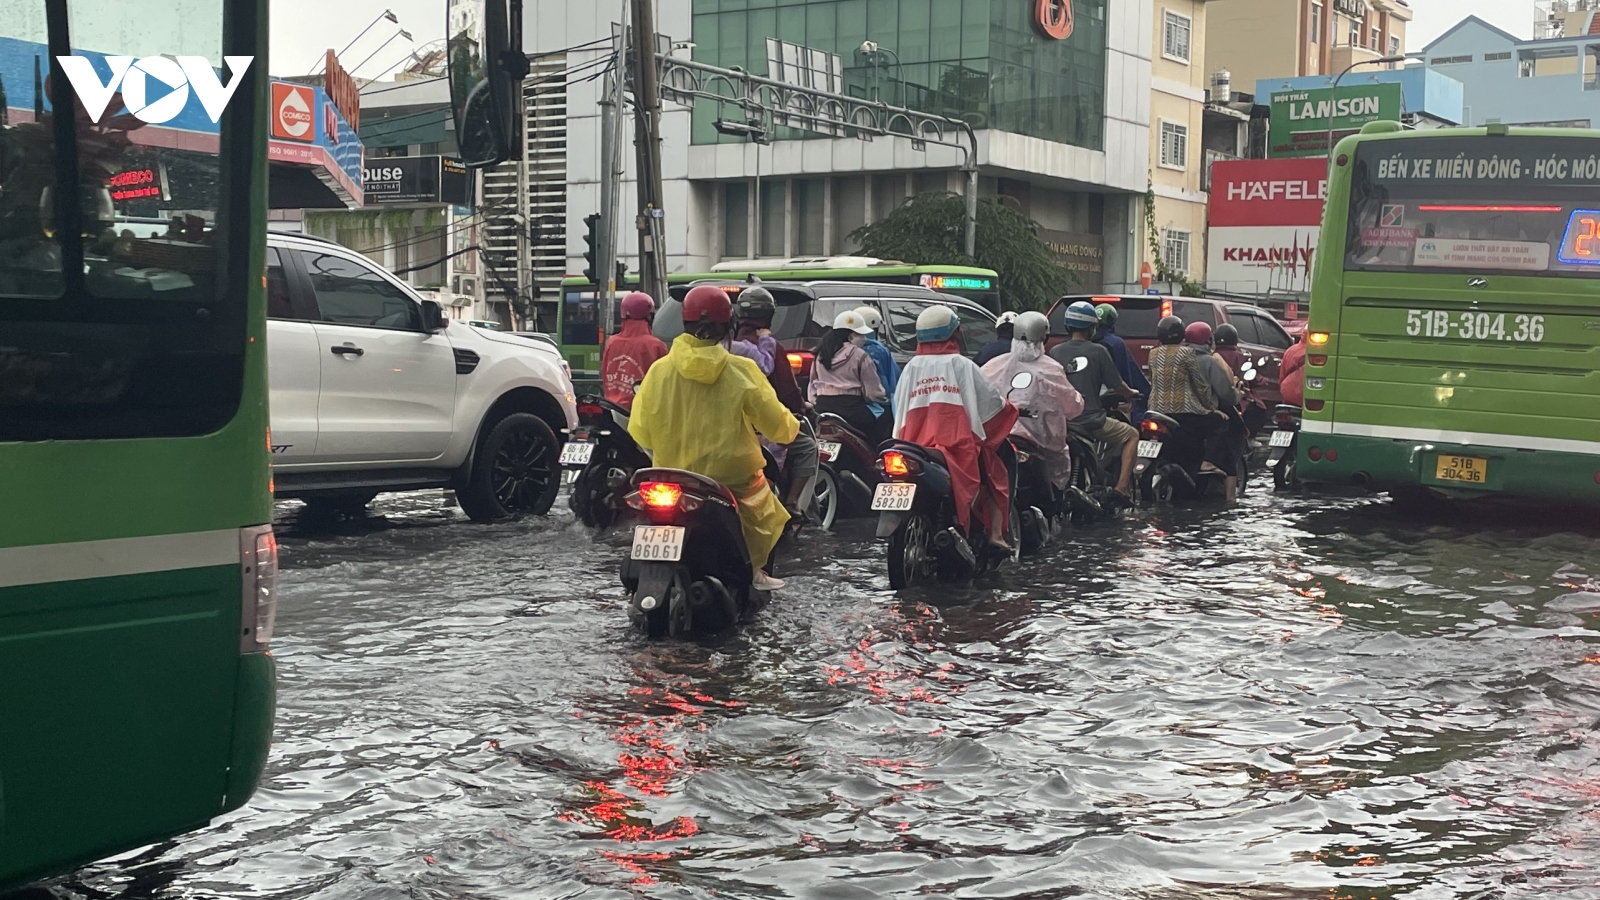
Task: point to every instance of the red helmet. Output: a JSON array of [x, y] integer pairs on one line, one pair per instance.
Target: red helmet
[[1197, 333], [638, 305], [707, 303]]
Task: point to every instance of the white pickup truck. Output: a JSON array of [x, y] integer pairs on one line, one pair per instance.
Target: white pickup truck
[[373, 389]]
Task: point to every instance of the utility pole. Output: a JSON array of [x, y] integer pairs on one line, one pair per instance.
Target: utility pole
[[611, 124], [647, 141]]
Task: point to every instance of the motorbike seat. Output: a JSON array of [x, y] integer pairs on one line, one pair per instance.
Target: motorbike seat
[[1078, 431], [1162, 418], [836, 421]]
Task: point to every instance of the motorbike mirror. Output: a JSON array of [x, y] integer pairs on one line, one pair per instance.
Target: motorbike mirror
[[1021, 381]]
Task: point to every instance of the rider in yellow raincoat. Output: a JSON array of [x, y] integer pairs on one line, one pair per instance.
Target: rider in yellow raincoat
[[700, 409]]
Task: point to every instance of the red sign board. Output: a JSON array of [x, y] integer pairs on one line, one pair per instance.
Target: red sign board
[[1053, 18], [1246, 192], [294, 112]]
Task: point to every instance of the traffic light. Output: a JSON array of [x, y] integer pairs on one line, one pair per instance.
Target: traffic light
[[592, 269], [622, 273]]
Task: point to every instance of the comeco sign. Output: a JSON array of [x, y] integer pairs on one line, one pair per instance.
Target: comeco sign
[[1053, 18], [130, 75], [293, 112]]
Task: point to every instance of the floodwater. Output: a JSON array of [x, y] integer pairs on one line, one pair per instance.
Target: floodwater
[[1302, 698]]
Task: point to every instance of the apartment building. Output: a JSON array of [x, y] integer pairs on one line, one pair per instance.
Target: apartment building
[[1178, 80], [1257, 39]]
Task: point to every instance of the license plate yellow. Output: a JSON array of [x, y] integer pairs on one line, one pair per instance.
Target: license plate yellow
[[1466, 469]]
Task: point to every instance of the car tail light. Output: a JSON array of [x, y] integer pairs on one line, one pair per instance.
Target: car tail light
[[1315, 453], [660, 494], [1317, 359], [801, 363], [1315, 405], [258, 600], [1166, 308], [590, 411]]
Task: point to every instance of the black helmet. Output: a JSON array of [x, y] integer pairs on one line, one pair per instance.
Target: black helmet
[[756, 303], [1170, 330], [1226, 335]]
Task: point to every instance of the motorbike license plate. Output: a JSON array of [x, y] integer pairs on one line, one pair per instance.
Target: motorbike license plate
[[893, 496], [575, 453], [658, 543], [1282, 438], [1149, 449], [1467, 469], [828, 451]]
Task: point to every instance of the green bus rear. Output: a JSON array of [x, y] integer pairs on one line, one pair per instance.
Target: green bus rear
[[1454, 334], [137, 563], [579, 331]]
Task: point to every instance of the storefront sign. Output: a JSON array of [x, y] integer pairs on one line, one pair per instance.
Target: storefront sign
[[146, 183], [1300, 120], [294, 112], [1265, 219], [415, 179], [1082, 254], [308, 130], [1053, 18]]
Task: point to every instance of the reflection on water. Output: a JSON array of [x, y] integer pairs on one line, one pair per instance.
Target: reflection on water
[[1301, 699]]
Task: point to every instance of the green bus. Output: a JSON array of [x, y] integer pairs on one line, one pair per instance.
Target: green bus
[[137, 561], [579, 330], [1453, 345]]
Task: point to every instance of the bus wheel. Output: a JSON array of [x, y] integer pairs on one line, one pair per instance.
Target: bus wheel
[[515, 471]]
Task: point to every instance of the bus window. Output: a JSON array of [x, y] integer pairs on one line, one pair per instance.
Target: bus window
[[580, 318]]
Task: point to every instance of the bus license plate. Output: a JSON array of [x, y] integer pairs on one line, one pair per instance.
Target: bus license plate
[[1467, 469], [828, 451], [1149, 449], [1282, 438], [893, 496], [574, 453], [658, 543]]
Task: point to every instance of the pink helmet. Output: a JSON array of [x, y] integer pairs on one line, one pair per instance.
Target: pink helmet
[[1198, 333], [638, 305]]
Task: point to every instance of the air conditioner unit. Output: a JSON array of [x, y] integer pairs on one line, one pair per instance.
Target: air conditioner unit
[[467, 284]]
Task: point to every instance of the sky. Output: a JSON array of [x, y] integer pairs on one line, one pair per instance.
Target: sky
[[1434, 17], [303, 29]]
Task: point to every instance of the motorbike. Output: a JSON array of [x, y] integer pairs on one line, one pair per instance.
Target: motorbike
[[688, 570], [917, 513], [1167, 469], [1043, 510], [847, 475], [1283, 459], [598, 460]]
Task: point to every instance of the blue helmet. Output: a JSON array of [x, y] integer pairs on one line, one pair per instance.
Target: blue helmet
[[937, 323], [1081, 316]]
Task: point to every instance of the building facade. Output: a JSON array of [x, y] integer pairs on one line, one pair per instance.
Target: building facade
[[1550, 80], [1178, 84], [1256, 39]]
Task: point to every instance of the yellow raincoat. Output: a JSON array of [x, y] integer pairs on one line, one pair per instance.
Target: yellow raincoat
[[699, 409]]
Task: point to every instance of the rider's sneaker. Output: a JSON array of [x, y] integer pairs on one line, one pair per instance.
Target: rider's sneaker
[[764, 582]]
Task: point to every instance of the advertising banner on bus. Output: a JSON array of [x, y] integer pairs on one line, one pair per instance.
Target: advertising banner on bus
[[1265, 217]]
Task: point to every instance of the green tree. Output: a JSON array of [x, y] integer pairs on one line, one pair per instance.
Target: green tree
[[930, 229]]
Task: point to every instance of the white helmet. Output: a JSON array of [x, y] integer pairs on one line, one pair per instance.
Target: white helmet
[[873, 317], [1032, 327], [937, 323], [1006, 318], [853, 321]]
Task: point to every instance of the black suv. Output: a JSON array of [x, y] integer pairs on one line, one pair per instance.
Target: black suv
[[806, 311]]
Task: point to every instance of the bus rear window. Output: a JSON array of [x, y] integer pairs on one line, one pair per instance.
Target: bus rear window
[[1475, 205]]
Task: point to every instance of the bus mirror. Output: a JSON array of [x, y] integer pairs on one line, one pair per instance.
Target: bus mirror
[[487, 65]]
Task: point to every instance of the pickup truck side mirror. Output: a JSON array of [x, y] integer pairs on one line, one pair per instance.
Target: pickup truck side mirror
[[433, 319]]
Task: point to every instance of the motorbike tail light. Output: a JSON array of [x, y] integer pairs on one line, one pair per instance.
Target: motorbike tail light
[[1316, 359], [896, 464], [1283, 419], [1315, 405], [660, 494], [590, 410], [1315, 454], [801, 363], [1151, 428]]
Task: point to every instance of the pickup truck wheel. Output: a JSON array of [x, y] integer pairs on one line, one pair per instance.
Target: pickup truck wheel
[[515, 471]]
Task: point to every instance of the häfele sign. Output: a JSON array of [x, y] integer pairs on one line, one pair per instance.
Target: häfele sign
[[1265, 221], [1301, 119]]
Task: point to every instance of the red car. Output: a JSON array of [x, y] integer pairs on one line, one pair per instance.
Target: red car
[[1260, 335]]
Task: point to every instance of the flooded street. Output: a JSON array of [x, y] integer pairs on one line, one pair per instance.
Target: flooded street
[[1304, 698]]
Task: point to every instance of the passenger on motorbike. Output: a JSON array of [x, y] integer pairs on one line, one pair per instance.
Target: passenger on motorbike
[[1222, 379], [1179, 389], [888, 369], [1051, 399], [630, 353], [1091, 370], [945, 403], [1292, 374], [756, 310], [1127, 367], [845, 379], [1252, 409], [1004, 330], [700, 409]]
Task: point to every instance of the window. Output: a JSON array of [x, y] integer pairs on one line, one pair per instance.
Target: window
[[1245, 322], [349, 293], [1377, 40], [1497, 57], [977, 329], [902, 321], [1174, 145], [736, 220], [1190, 311], [772, 214], [1175, 250], [1272, 334], [279, 306], [1450, 60], [1315, 25], [1175, 36], [1394, 46], [808, 216]]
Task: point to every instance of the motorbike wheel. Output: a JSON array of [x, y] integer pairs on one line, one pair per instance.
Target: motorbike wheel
[[828, 498], [1032, 531], [1286, 476], [911, 553], [1163, 488]]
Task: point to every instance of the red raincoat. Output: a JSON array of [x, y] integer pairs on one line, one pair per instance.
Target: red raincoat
[[628, 355], [944, 402]]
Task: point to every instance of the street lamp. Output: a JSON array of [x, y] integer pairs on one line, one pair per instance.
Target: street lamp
[[401, 33], [386, 14], [757, 133], [1333, 93], [872, 50]]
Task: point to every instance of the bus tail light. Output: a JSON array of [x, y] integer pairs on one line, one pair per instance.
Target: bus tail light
[[1317, 359], [258, 601], [1331, 455], [1315, 405], [1315, 454], [1318, 338]]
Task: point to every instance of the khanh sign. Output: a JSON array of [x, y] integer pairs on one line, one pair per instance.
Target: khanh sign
[[1300, 120], [1265, 219]]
